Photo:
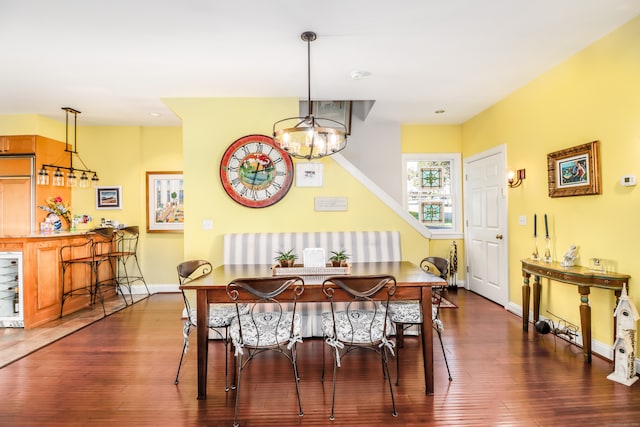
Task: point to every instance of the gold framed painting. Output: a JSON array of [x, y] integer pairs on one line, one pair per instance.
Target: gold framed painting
[[574, 171], [165, 202]]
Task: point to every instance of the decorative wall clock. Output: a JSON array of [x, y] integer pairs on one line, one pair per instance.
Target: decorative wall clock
[[255, 172]]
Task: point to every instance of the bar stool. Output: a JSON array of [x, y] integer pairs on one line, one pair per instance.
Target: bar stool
[[126, 252], [89, 258]]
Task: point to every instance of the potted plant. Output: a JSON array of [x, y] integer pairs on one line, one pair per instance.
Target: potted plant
[[339, 258], [286, 258]]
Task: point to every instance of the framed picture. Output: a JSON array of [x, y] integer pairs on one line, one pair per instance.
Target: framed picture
[[165, 202], [309, 174], [109, 198], [574, 171], [340, 111]]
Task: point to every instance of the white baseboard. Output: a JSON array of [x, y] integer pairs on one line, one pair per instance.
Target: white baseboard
[[139, 289], [597, 347]]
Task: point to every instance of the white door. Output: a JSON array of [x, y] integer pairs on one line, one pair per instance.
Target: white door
[[485, 215]]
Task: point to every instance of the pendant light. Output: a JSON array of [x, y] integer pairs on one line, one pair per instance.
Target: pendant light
[[72, 179], [309, 137]]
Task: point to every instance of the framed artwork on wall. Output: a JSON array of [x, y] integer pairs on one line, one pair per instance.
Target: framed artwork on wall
[[109, 197], [574, 171], [309, 174], [165, 202], [340, 111]]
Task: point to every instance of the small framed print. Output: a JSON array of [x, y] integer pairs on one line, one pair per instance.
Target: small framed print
[[574, 171], [109, 197], [309, 174]]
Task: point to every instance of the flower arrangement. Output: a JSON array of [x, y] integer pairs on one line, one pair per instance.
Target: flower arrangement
[[56, 206]]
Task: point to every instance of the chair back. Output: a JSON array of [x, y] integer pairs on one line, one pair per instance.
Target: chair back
[[127, 240], [261, 290], [189, 271], [436, 265], [102, 238], [366, 315]]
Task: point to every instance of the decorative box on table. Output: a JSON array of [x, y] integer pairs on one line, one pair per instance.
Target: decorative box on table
[[311, 274]]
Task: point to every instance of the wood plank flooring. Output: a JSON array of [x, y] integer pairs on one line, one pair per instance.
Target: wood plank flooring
[[120, 371]]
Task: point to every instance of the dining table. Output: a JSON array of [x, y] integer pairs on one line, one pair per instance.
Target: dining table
[[412, 283]]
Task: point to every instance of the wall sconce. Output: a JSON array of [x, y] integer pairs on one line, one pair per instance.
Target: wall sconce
[[515, 179]]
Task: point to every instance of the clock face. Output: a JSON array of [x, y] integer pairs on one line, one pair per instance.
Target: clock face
[[255, 172]]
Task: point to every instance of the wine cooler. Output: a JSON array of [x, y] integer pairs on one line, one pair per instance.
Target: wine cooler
[[11, 294]]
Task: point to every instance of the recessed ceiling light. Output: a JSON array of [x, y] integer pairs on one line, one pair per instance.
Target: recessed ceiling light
[[155, 114], [357, 75], [439, 111]]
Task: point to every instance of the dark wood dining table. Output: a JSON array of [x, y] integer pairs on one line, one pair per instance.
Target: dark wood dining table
[[412, 284]]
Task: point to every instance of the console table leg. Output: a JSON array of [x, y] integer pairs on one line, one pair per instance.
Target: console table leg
[[585, 322], [526, 291], [536, 298]]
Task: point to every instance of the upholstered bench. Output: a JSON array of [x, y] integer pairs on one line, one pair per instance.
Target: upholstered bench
[[262, 248]]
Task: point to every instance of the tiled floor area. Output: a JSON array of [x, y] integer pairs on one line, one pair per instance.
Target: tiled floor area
[[16, 343]]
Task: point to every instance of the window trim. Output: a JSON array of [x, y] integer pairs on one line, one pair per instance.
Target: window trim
[[456, 183]]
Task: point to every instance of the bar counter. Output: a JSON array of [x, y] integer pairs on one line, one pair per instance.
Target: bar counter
[[42, 275]]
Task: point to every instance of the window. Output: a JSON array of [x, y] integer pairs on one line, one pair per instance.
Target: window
[[432, 191]]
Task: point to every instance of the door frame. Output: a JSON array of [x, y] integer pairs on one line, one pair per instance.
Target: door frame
[[504, 214]]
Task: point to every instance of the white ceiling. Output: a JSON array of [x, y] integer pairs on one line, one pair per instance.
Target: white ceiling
[[115, 60]]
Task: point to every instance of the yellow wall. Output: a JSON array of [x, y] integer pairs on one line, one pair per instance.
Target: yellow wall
[[431, 138], [594, 95], [209, 127], [122, 156], [31, 124]]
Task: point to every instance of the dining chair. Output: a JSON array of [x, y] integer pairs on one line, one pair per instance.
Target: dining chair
[[126, 253], [405, 314], [220, 315], [363, 323], [278, 329]]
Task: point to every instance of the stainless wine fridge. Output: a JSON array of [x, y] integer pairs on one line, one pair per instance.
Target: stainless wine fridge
[[11, 293]]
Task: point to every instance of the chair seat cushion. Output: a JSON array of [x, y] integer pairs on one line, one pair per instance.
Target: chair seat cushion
[[410, 312], [265, 329], [356, 326], [405, 312], [220, 315]]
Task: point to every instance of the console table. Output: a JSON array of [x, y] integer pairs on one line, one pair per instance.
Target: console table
[[582, 277]]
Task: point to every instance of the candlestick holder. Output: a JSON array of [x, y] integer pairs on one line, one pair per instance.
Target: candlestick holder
[[535, 256], [547, 251]]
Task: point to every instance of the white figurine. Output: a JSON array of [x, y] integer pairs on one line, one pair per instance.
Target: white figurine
[[624, 346], [570, 256]]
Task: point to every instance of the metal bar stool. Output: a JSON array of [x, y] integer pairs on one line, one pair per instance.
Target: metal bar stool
[[91, 258], [126, 253]]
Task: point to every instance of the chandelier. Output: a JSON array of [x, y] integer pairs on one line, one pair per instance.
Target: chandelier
[[72, 180], [309, 137]]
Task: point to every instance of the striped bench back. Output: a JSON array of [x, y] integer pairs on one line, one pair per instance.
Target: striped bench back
[[262, 248]]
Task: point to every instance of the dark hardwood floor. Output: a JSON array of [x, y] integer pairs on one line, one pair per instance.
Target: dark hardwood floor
[[119, 371]]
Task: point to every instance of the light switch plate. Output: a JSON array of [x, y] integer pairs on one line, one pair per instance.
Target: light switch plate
[[522, 220]]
